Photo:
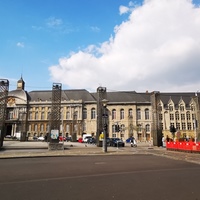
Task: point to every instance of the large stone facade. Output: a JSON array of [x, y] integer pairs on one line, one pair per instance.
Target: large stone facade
[[144, 115]]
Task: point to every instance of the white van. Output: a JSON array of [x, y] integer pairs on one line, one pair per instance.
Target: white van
[[86, 137]]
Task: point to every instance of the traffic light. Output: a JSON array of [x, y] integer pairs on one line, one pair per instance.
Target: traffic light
[[105, 127]]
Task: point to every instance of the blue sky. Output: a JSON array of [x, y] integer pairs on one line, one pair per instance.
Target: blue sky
[[119, 44]]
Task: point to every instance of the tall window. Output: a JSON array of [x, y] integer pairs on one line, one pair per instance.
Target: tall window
[[130, 112], [113, 114], [68, 115], [93, 114], [147, 127], [183, 126], [36, 115], [182, 116], [122, 114], [30, 115], [160, 117], [138, 113], [35, 127], [139, 128], [192, 107], [181, 107], [146, 113], [189, 126], [171, 116], [76, 115], [42, 115], [42, 128], [177, 116], [170, 108], [178, 126], [85, 113], [188, 115]]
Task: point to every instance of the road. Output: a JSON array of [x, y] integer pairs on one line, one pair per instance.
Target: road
[[136, 176]]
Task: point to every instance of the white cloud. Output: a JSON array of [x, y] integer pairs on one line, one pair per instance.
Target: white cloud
[[157, 48], [20, 44], [95, 29], [53, 22], [123, 9]]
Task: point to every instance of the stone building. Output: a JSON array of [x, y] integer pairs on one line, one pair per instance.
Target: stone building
[[146, 115]]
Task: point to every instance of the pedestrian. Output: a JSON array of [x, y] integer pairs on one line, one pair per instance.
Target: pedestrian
[[163, 142]]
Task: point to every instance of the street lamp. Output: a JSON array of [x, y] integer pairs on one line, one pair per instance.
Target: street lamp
[[105, 126]]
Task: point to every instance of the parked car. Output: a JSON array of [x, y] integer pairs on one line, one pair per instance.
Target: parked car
[[8, 136], [80, 140], [91, 141], [61, 138], [128, 140], [41, 138], [68, 139], [35, 137], [85, 139], [116, 142]]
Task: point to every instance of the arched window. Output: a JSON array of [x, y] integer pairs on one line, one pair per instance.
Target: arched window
[[68, 115], [122, 114], [177, 115], [147, 127], [188, 115], [35, 127], [146, 113], [130, 113], [49, 115], [138, 113], [93, 113], [41, 127], [36, 115], [30, 115], [139, 128], [171, 108], [42, 115], [181, 107], [113, 114]]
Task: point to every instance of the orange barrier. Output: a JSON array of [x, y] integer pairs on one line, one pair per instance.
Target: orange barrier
[[184, 146]]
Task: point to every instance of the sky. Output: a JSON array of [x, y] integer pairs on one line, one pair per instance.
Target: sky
[[123, 45]]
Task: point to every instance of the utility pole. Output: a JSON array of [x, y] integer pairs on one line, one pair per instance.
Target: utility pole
[[101, 94], [197, 118], [156, 130], [4, 87]]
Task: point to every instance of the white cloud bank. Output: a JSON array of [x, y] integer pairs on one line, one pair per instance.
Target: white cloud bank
[[157, 48]]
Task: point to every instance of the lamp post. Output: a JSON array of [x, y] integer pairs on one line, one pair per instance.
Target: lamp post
[[105, 126]]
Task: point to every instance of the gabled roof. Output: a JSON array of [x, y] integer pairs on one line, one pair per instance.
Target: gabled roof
[[176, 97]]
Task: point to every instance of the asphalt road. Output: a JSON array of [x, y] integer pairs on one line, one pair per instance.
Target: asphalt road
[[138, 176]]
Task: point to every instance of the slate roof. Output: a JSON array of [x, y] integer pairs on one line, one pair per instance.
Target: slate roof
[[176, 97], [21, 94], [126, 97], [112, 97], [46, 95]]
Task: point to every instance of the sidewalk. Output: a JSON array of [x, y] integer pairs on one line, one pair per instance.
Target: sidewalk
[[16, 149]]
